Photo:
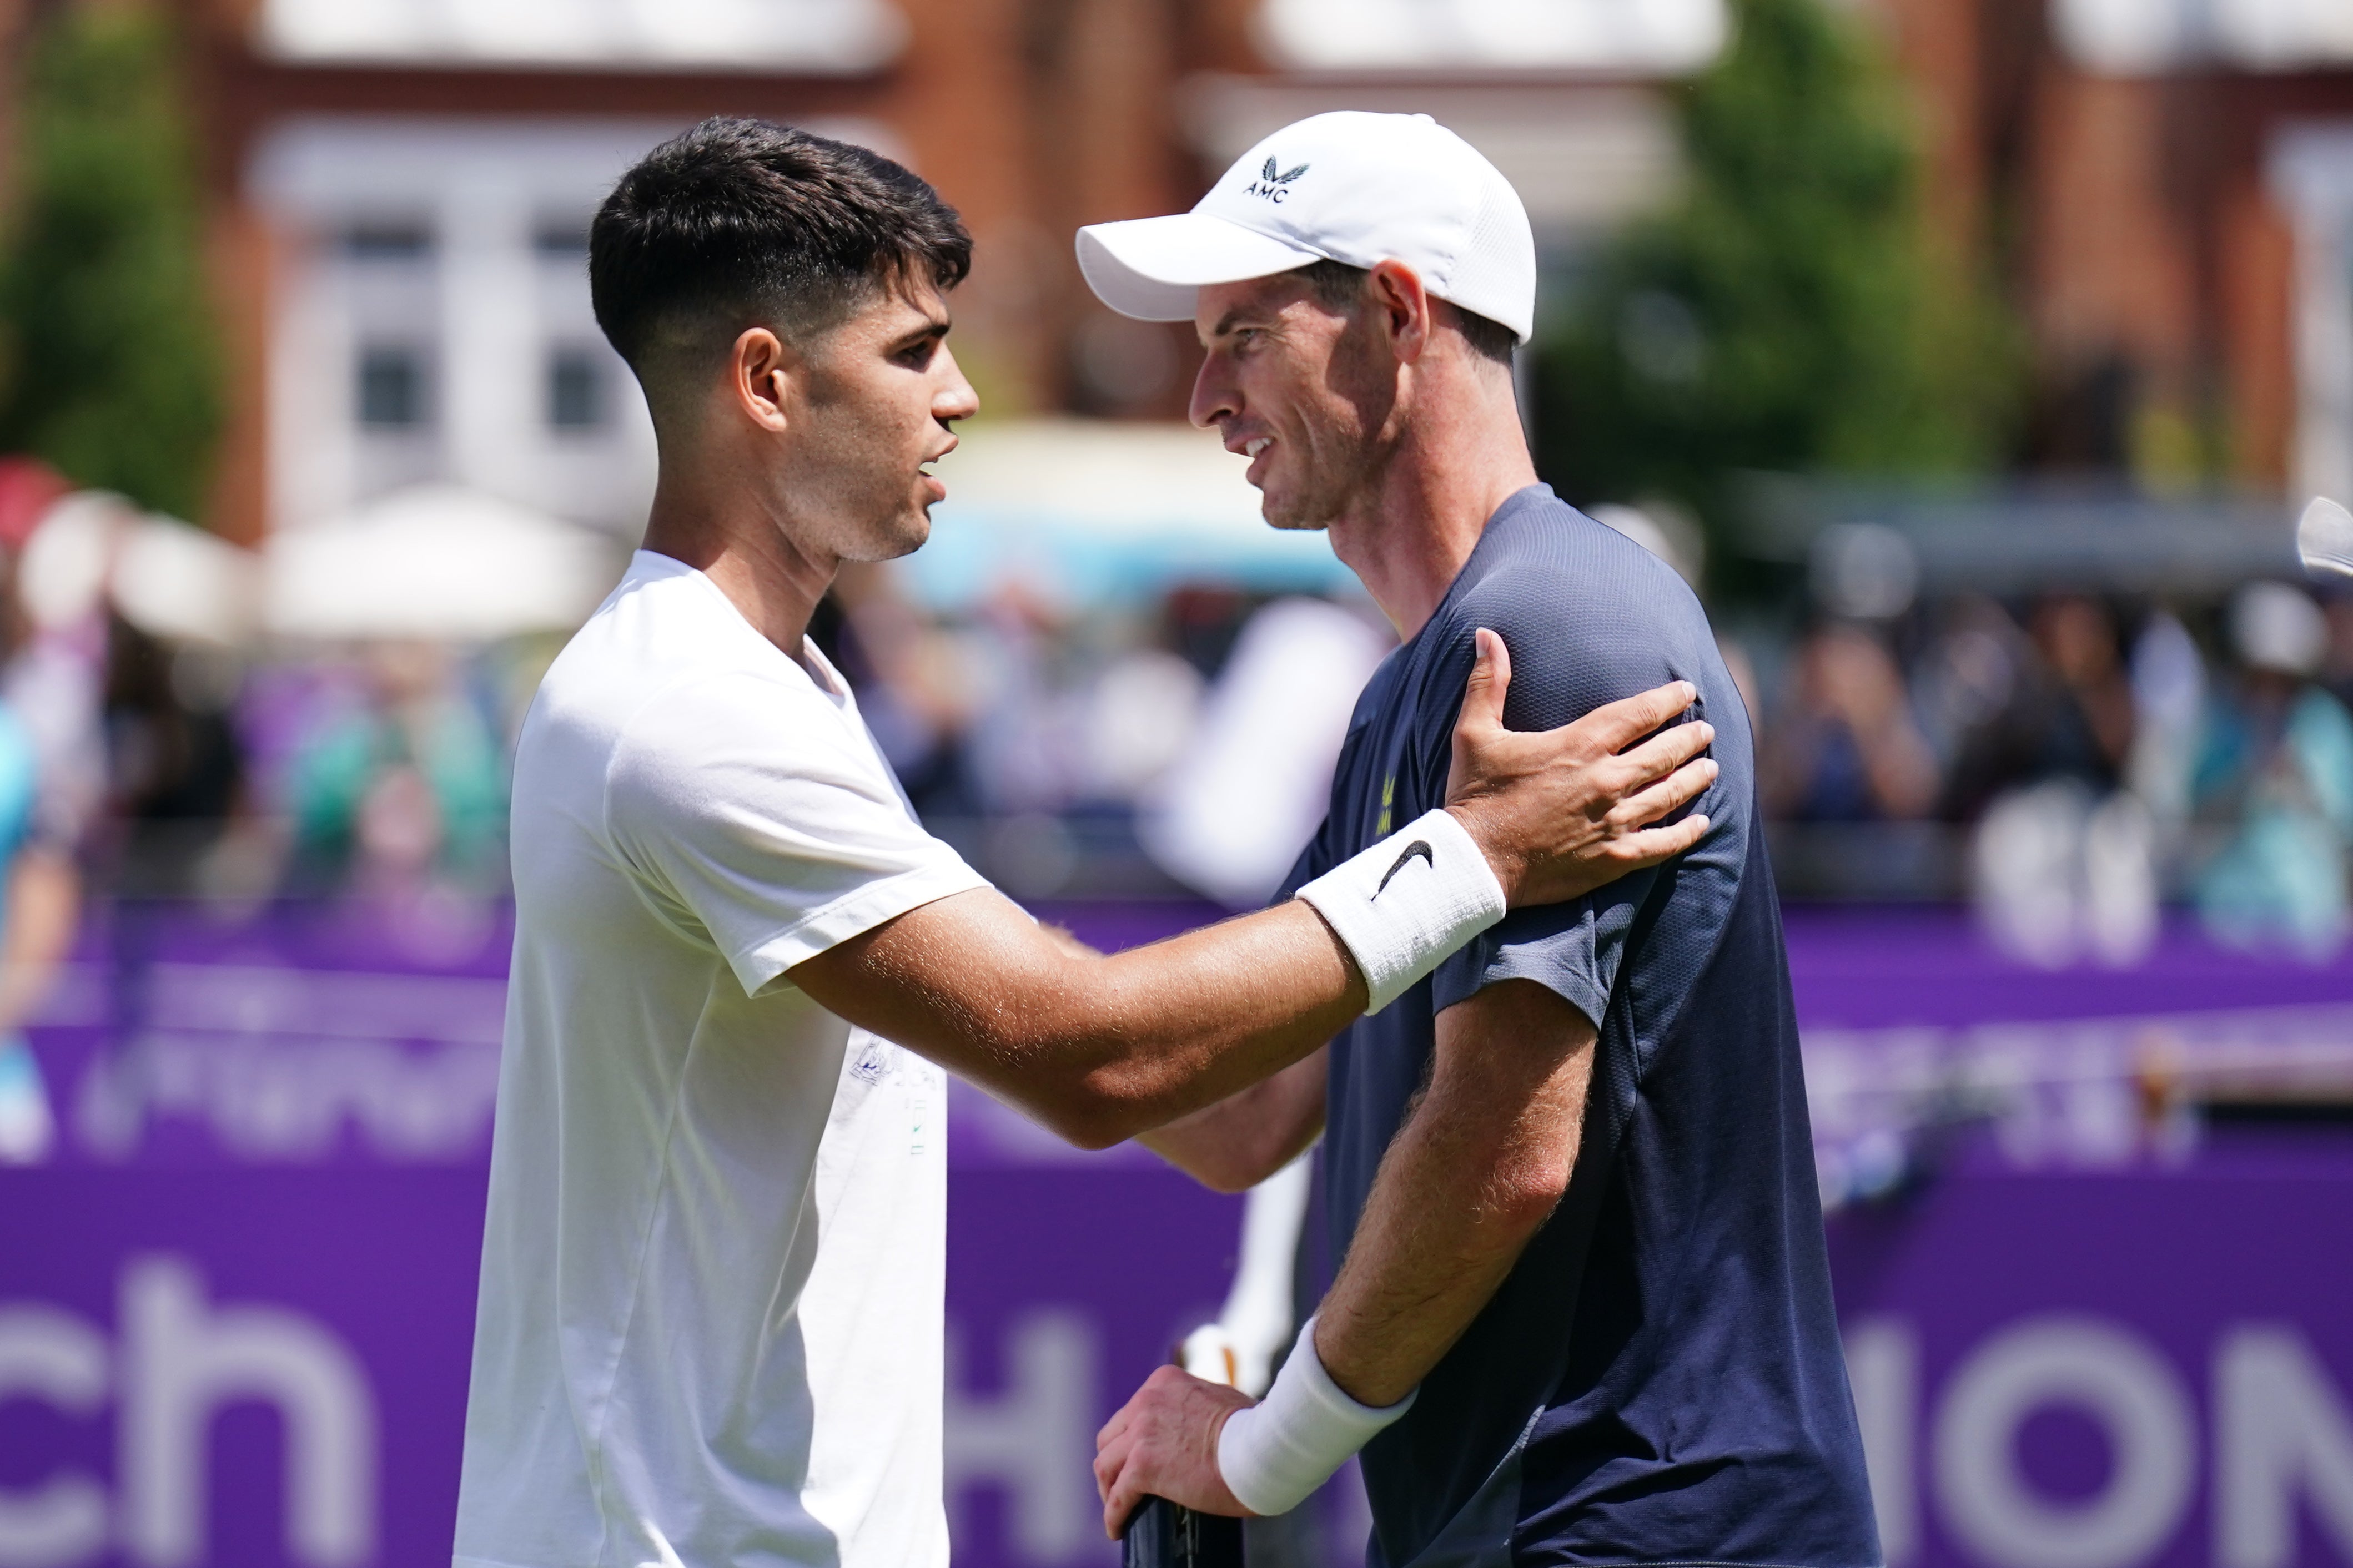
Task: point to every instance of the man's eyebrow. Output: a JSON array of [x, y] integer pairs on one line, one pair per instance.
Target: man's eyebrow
[[934, 327], [1226, 323]]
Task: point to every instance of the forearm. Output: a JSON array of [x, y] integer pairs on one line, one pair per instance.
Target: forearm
[[1428, 1257], [1477, 1168], [1101, 1050], [1098, 1049], [1243, 1139], [1163, 1031]]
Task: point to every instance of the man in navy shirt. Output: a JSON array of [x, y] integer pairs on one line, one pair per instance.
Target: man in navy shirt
[[1585, 1313]]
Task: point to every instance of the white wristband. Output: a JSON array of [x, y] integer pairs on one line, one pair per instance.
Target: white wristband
[[1274, 1453], [1404, 904]]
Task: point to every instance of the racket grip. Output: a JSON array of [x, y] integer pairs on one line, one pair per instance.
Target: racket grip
[[1161, 1534]]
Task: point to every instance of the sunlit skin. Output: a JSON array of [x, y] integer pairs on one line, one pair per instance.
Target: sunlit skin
[[788, 459], [1371, 422]]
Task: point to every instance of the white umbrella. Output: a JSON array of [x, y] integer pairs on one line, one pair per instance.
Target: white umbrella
[[439, 562], [180, 582], [71, 555], [169, 579]]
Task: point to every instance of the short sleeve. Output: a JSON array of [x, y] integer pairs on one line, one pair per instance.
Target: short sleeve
[[765, 815], [1573, 650], [1573, 950]]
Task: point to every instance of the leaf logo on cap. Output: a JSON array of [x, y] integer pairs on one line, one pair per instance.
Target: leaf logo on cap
[[1271, 183]]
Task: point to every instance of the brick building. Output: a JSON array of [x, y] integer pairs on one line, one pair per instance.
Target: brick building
[[401, 186], [2166, 189]]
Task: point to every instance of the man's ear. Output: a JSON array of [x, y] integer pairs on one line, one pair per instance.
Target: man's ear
[[1404, 308], [760, 369]]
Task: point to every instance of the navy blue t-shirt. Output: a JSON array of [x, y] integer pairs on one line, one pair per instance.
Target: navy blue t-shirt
[[1659, 1378]]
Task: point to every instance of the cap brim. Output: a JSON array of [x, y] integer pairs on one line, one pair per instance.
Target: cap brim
[[1149, 267]]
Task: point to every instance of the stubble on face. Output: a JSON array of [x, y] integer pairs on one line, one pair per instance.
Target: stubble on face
[[1341, 413], [870, 393], [1315, 383]]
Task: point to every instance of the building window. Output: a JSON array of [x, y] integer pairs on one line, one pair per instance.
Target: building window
[[392, 387], [575, 389], [387, 242]]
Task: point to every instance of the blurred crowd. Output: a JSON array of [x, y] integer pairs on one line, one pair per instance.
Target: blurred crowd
[[2101, 756], [2075, 763]]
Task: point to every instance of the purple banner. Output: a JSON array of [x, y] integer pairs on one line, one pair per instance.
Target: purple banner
[[2093, 1371], [235, 1308], [234, 1366]]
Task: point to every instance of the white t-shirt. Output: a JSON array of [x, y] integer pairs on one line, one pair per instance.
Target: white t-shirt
[[710, 1318]]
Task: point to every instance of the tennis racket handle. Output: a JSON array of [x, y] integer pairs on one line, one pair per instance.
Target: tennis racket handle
[[1160, 1534]]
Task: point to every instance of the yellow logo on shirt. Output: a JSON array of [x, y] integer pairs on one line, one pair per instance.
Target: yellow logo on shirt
[[1388, 799]]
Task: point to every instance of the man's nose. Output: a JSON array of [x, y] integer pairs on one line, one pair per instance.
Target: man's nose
[[1214, 396], [955, 398]]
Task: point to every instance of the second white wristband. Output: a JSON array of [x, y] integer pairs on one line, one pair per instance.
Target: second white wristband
[[1275, 1452], [1402, 906]]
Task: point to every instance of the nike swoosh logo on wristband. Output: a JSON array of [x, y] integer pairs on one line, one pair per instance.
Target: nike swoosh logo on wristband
[[1418, 846]]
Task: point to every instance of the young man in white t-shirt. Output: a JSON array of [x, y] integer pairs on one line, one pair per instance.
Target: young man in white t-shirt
[[710, 1329]]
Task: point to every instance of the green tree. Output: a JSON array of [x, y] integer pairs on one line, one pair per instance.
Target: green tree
[[111, 368], [1785, 313]]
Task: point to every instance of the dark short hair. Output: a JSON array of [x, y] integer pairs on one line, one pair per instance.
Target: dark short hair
[[739, 223], [1336, 286]]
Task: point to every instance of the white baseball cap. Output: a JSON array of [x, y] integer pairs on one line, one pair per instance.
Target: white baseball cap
[[1346, 186]]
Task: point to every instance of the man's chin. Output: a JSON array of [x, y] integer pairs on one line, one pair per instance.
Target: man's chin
[[908, 535], [1291, 518]]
